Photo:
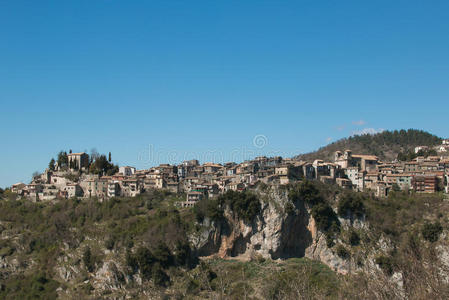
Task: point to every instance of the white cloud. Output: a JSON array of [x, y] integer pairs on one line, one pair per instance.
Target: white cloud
[[328, 139], [359, 122], [367, 131]]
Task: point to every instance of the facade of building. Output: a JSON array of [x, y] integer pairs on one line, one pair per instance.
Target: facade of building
[[78, 161]]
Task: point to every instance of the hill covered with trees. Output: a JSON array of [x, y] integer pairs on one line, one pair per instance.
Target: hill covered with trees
[[386, 145]]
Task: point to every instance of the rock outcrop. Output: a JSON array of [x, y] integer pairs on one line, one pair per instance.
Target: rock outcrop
[[274, 233]]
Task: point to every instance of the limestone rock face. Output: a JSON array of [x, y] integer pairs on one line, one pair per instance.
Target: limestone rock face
[[108, 277], [273, 234]]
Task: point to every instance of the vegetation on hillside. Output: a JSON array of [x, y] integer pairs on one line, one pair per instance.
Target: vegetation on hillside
[[45, 230], [316, 197], [411, 155], [148, 237], [386, 145], [245, 205]]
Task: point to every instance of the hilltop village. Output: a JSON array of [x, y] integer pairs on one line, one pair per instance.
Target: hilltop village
[[84, 176]]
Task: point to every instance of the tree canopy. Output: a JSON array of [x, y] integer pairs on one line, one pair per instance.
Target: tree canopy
[[386, 145]]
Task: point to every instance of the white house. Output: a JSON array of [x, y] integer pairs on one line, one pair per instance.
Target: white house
[[127, 171]]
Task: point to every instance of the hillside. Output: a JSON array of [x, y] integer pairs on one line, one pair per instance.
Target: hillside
[[386, 145], [304, 241]]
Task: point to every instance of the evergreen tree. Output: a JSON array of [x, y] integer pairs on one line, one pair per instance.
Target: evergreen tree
[[62, 159], [51, 165]]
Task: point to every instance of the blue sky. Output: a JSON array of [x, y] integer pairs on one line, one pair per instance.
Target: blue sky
[[159, 81]]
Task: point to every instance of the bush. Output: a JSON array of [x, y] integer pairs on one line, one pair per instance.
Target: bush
[[182, 253], [431, 232], [88, 259], [353, 238], [148, 262], [163, 255], [351, 205], [37, 286], [144, 259], [158, 275], [342, 252], [289, 208], [109, 243], [208, 208], [385, 263], [245, 204], [131, 262], [307, 192], [329, 241], [325, 217]]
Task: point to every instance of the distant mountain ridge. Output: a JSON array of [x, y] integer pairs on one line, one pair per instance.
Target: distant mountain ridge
[[386, 145]]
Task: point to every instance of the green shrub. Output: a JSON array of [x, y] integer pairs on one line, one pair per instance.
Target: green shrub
[[37, 286], [6, 251], [353, 238], [351, 205], [325, 217], [329, 241], [182, 253], [148, 262], [144, 259], [158, 275], [131, 262], [289, 208], [163, 256], [385, 263], [208, 208], [109, 243], [306, 191], [431, 232], [88, 259], [245, 204], [342, 252]]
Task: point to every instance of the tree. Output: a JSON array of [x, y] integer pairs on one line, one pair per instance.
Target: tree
[[163, 255], [307, 192], [51, 165], [93, 155], [103, 166], [88, 260], [110, 157], [385, 263], [325, 217], [342, 252], [145, 260], [158, 275], [35, 174], [351, 205], [245, 204], [63, 159], [431, 232]]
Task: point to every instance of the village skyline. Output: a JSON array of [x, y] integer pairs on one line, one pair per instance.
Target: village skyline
[[200, 77]]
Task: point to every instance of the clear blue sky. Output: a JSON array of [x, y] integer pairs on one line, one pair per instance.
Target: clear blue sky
[[159, 81]]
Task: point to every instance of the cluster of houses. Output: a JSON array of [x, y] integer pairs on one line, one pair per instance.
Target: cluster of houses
[[351, 171]]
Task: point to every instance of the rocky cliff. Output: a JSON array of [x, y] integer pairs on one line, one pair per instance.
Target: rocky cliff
[[281, 230], [142, 250]]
